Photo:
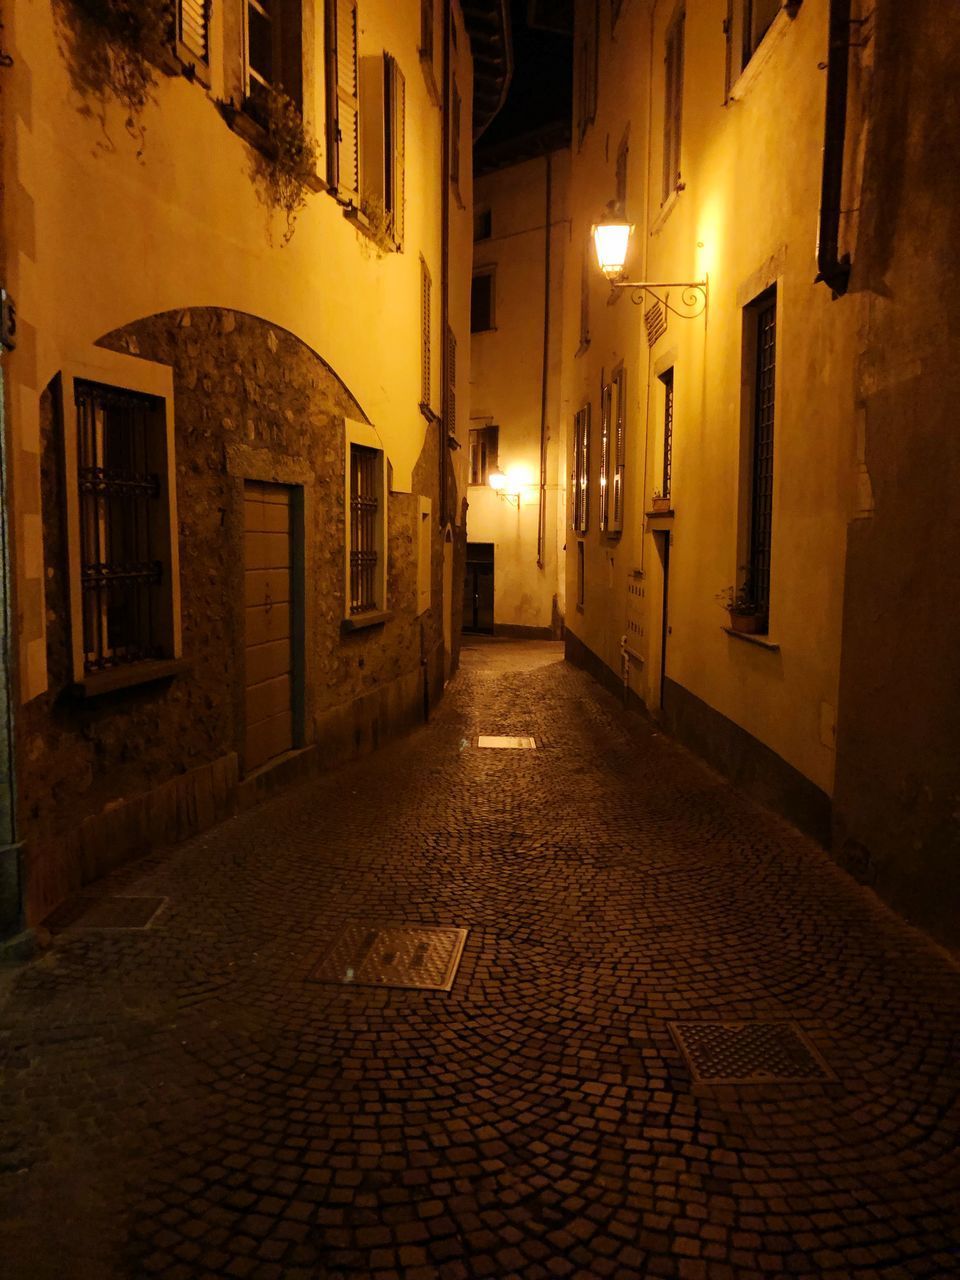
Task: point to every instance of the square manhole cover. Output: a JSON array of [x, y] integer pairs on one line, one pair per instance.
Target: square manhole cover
[[748, 1053], [394, 955], [507, 744], [88, 911]]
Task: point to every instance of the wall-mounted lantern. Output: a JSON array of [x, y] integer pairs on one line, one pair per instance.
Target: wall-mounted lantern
[[509, 485], [611, 238]]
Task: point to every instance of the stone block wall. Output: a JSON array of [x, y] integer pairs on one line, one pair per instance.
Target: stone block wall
[[250, 401]]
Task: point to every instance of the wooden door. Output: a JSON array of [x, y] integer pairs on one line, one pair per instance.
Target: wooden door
[[268, 565]]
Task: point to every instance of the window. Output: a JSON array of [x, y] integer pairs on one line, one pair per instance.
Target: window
[[450, 398], [426, 291], [121, 517], [615, 7], [455, 134], [484, 452], [482, 224], [756, 18], [667, 380], [343, 101], [612, 460], [584, 302], [481, 301], [580, 584], [382, 143], [427, 39], [672, 105], [618, 461], [274, 58], [761, 352], [581, 469], [193, 33], [365, 543], [623, 152], [586, 88]]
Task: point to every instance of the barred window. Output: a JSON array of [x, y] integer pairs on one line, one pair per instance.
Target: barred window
[[426, 291], [365, 527], [618, 461], [764, 322], [667, 380], [123, 525]]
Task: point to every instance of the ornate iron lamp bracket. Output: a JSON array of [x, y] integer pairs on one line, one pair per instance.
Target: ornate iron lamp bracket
[[693, 295]]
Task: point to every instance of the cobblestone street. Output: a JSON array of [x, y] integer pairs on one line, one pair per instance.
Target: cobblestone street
[[191, 1099]]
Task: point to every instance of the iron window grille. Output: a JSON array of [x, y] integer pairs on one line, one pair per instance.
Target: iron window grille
[[761, 484], [667, 380], [121, 525], [605, 404], [426, 292], [619, 461], [364, 529]]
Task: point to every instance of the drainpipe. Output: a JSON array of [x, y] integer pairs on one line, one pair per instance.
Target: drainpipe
[[444, 261], [833, 270], [542, 515]]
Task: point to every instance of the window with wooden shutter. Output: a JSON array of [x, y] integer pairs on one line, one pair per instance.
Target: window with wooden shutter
[[343, 104], [618, 420], [396, 101], [581, 469], [604, 456], [274, 55], [672, 104], [455, 135], [193, 31], [450, 408], [426, 290]]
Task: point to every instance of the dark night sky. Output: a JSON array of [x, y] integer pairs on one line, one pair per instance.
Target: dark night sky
[[540, 94]]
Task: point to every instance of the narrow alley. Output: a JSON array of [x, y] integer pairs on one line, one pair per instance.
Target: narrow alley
[[220, 1093]]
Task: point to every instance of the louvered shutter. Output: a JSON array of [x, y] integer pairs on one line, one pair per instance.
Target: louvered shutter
[[343, 78], [604, 455], [193, 28], [398, 98], [619, 415], [451, 408], [426, 285]]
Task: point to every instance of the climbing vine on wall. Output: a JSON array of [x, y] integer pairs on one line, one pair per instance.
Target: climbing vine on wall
[[113, 47], [289, 152]]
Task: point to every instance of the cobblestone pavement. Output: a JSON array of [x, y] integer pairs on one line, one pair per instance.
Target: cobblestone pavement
[[186, 1101]]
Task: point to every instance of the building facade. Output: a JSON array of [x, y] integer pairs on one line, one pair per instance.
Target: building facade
[[732, 563], [239, 253], [515, 465]]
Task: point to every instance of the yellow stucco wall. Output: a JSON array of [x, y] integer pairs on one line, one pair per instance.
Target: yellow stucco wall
[[746, 217], [109, 223], [506, 386]]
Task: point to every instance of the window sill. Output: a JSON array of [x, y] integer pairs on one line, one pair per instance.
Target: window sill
[[363, 620], [583, 348], [357, 218], [254, 134], [490, 328], [666, 514], [430, 414], [667, 208], [138, 673], [761, 642]]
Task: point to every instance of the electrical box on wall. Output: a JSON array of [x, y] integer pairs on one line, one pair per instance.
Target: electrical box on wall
[[634, 611]]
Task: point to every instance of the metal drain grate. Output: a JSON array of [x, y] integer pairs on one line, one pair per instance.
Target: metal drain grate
[[507, 744], [395, 955], [90, 912], [748, 1053]]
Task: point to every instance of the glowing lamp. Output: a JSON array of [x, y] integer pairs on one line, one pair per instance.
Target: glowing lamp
[[611, 237], [496, 479]]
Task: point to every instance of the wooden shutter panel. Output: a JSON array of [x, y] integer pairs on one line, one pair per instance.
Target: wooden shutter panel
[[451, 406], [619, 460], [426, 285], [398, 96], [604, 455], [193, 27], [343, 105]]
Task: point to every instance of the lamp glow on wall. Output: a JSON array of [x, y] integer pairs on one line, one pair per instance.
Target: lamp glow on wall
[[510, 484], [611, 238]]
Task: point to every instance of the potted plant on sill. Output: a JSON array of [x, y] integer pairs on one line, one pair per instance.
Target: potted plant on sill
[[660, 501], [746, 616]]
